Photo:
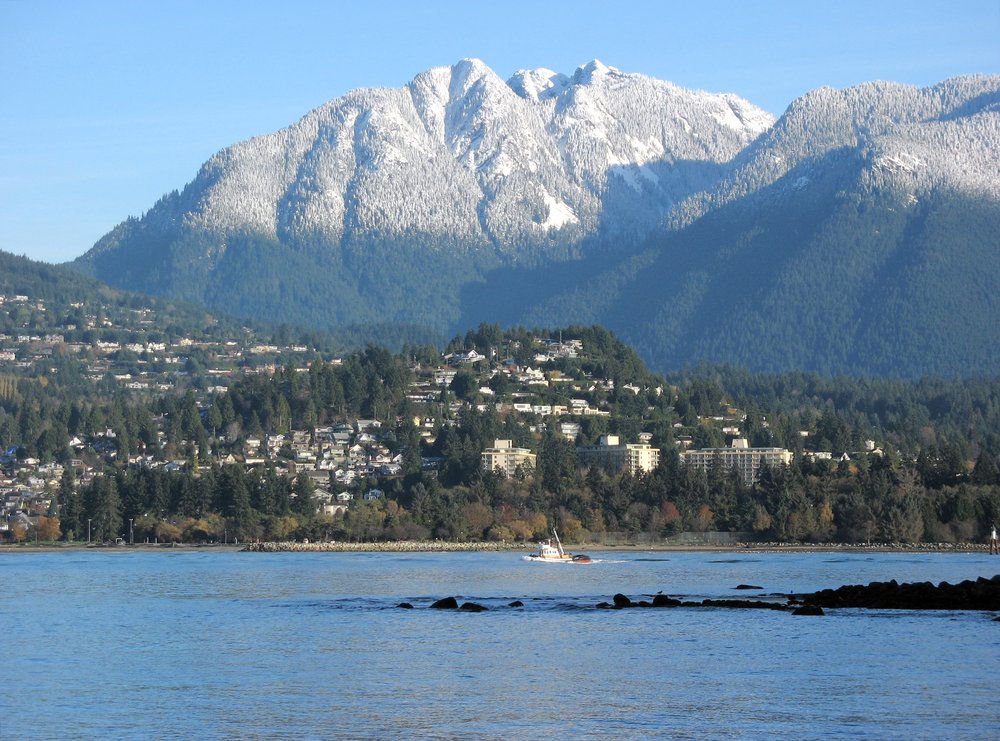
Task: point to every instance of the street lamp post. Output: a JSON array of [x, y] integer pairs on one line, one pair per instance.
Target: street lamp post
[[131, 540], [88, 531]]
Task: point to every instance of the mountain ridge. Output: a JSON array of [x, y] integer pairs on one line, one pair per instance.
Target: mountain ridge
[[461, 197]]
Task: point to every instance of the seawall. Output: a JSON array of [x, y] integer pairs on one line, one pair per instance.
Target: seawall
[[405, 546]]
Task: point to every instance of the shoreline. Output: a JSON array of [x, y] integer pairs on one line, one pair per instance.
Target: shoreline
[[495, 547], [437, 547]]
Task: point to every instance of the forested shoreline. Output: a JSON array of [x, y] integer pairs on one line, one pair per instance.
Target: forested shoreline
[[928, 474]]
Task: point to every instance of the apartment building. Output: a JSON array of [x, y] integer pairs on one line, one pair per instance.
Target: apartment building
[[505, 458], [611, 453], [740, 456]]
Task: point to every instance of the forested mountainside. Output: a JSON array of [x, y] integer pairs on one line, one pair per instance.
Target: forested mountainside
[[859, 236], [56, 299], [856, 234], [80, 307]]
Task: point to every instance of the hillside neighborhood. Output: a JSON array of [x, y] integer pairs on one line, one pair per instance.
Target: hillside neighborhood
[[127, 354], [126, 419]]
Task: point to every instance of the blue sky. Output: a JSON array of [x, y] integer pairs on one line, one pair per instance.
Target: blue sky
[[108, 105]]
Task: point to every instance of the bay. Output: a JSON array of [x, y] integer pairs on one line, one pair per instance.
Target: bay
[[209, 644]]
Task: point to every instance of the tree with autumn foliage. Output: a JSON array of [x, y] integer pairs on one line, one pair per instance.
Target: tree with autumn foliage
[[47, 528]]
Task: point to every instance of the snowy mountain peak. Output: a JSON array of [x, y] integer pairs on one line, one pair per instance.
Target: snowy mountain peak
[[594, 71], [491, 165], [451, 83], [470, 69], [538, 84]]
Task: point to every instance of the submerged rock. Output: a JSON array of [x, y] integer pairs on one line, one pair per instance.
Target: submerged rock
[[405, 605], [516, 603], [747, 586], [809, 610], [473, 607]]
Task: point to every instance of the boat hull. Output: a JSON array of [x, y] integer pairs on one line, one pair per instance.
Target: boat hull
[[580, 559], [548, 553]]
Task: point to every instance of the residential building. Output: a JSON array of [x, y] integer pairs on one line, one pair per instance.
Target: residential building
[[611, 453], [740, 456], [505, 458], [570, 430]]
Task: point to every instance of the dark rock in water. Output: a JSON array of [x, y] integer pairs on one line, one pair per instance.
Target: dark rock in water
[[662, 600], [405, 605], [621, 600], [603, 606], [516, 603], [645, 603], [473, 607], [809, 610], [446, 603], [747, 586], [981, 594]]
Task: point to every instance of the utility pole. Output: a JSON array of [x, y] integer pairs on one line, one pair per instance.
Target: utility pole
[[131, 540], [88, 531]]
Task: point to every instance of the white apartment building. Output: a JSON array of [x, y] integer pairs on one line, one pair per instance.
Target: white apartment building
[[505, 458], [740, 456], [611, 453]]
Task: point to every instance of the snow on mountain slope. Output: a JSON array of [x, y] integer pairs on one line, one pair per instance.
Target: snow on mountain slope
[[459, 157], [690, 222], [941, 135]]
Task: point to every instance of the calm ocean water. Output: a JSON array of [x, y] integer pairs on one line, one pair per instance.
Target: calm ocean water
[[220, 645]]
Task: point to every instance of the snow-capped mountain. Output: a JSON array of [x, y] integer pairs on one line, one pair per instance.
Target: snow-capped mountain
[[461, 156], [859, 234], [945, 134], [462, 197]]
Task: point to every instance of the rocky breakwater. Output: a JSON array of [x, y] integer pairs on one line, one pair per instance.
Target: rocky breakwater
[[981, 594], [409, 546], [621, 602]]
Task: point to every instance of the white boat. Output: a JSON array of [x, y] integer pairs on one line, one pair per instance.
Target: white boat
[[548, 553]]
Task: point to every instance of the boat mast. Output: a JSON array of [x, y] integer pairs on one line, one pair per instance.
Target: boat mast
[[558, 543]]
